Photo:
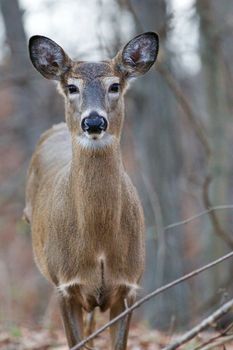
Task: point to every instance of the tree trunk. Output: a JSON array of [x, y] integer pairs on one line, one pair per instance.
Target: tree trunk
[[29, 93], [212, 15]]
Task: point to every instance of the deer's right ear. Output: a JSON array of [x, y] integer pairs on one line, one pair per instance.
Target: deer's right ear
[[48, 57]]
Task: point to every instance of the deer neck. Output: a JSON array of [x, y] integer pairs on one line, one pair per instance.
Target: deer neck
[[96, 188]]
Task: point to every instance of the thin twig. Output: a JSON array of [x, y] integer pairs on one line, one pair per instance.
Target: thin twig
[[201, 326], [151, 295], [196, 216], [213, 216]]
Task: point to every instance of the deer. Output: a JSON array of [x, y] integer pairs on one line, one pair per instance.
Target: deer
[[87, 222]]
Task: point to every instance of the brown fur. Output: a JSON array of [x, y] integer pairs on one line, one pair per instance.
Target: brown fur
[[86, 219], [83, 206]]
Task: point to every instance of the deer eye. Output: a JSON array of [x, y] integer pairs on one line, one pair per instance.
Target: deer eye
[[73, 89], [114, 88]]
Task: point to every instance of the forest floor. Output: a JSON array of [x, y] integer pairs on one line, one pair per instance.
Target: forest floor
[[140, 338]]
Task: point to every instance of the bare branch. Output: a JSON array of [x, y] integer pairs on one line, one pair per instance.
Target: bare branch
[[151, 295], [207, 322], [218, 342], [196, 216], [213, 217], [210, 341]]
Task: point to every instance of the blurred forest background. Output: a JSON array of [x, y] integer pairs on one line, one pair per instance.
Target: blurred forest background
[[177, 144]]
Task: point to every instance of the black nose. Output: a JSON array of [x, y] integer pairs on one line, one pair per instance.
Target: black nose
[[94, 123]]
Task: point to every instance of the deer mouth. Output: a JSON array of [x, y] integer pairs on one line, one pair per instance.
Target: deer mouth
[[95, 141], [94, 136]]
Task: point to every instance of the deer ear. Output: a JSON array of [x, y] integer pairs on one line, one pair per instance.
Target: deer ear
[[48, 57], [139, 54]]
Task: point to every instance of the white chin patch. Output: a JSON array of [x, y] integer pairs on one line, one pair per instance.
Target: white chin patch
[[95, 141]]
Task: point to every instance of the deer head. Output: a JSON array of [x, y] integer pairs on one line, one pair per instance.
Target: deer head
[[94, 92]]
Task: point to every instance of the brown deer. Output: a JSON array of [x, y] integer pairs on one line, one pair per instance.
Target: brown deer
[[86, 219]]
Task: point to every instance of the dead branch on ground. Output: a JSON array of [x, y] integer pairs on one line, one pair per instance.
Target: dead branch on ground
[[218, 343], [207, 322], [215, 339]]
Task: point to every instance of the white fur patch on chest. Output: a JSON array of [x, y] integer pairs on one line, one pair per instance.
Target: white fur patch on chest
[[62, 287]]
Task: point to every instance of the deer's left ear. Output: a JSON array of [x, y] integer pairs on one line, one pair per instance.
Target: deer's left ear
[[138, 55]]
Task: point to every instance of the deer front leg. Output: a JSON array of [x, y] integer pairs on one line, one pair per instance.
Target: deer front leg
[[119, 331], [90, 327], [72, 318]]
